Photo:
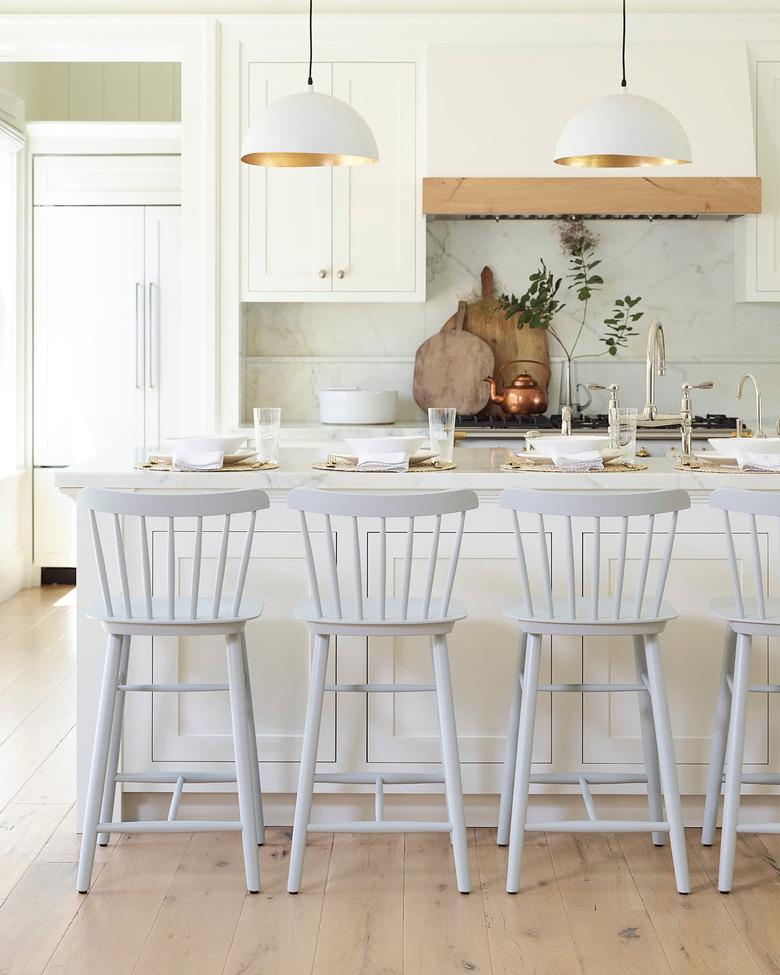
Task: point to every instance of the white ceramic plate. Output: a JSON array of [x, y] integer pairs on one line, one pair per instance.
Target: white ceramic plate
[[546, 457], [731, 446], [562, 446], [385, 445], [204, 443]]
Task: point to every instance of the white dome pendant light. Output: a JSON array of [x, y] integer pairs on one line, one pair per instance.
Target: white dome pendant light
[[309, 129], [623, 130]]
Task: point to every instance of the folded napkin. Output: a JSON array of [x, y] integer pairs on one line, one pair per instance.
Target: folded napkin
[[201, 461], [390, 462], [758, 462], [587, 460]]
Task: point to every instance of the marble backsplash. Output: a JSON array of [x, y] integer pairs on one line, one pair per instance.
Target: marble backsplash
[[684, 271]]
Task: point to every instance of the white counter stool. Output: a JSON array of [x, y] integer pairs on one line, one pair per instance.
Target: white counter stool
[[744, 618], [382, 615], [582, 613], [124, 616]]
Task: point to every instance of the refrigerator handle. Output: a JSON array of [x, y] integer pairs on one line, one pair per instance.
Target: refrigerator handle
[[139, 331], [154, 337]]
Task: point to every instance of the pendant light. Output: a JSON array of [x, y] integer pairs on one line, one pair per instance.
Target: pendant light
[[309, 129], [623, 130]]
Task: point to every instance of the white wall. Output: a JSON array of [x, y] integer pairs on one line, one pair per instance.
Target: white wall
[[96, 92]]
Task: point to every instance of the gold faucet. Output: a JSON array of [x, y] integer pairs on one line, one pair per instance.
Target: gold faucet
[[759, 410]]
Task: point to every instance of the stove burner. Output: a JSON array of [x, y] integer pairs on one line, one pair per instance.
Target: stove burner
[[581, 421]]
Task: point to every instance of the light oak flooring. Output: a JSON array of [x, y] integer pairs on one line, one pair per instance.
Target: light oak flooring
[[374, 905]]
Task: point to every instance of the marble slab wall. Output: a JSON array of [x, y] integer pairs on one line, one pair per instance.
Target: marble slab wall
[[683, 269]]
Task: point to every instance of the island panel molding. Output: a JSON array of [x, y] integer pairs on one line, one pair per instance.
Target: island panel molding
[[581, 196]]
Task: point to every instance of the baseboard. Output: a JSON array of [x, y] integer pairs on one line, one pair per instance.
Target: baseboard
[[480, 810]]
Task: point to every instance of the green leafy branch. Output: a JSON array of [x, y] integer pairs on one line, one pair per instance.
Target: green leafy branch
[[620, 327]]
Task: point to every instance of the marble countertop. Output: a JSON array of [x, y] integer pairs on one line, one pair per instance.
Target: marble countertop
[[477, 468]]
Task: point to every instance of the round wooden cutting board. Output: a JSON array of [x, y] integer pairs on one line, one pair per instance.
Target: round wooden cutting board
[[450, 368], [509, 343]]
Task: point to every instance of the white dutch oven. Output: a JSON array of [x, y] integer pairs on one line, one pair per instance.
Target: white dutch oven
[[344, 404]]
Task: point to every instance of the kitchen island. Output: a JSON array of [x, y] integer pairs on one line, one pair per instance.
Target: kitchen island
[[398, 732]]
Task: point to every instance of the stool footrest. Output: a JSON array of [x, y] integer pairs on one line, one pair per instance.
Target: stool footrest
[[387, 778], [379, 688], [758, 827], [171, 826], [592, 778], [760, 778], [597, 826], [764, 688], [591, 688], [383, 826], [173, 688], [173, 777]]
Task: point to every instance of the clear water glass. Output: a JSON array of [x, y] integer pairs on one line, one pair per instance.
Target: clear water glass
[[441, 430], [622, 431], [268, 420]]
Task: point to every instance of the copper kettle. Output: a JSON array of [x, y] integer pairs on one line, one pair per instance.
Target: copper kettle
[[524, 395]]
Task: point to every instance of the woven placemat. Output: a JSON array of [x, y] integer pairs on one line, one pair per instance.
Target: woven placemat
[[530, 465], [703, 467], [241, 466], [426, 467]]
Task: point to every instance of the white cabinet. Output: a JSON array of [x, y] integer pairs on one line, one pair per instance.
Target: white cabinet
[[54, 522], [341, 233], [758, 237]]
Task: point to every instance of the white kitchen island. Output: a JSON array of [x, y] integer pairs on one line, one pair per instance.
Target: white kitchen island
[[398, 732]]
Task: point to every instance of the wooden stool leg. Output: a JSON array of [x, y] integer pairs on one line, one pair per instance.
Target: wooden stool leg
[[257, 790], [719, 739], [311, 737], [451, 761], [244, 777], [97, 772], [510, 753], [112, 766], [525, 742], [734, 758], [667, 762], [649, 747]]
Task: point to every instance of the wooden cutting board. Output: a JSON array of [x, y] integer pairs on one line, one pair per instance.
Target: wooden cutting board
[[450, 368], [486, 320]]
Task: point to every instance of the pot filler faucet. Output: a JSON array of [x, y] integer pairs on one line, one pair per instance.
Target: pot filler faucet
[[656, 366]]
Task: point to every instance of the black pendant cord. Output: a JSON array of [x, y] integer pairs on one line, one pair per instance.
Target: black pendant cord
[[311, 43], [623, 83]]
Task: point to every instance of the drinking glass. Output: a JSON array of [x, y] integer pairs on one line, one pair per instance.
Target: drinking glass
[[267, 422], [441, 429], [622, 431]]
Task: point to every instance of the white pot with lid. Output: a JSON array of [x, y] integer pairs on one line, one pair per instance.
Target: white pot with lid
[[348, 404]]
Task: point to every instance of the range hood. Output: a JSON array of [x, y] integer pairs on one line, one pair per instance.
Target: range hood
[[621, 197]]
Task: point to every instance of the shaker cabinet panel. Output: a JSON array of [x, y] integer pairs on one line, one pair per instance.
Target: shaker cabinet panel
[[767, 224], [374, 226], [287, 213]]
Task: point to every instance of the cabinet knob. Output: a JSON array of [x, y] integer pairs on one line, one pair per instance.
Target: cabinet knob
[[339, 274], [323, 273]]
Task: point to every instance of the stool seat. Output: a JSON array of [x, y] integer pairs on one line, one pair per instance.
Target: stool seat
[[539, 621], [393, 616], [725, 608], [251, 609]]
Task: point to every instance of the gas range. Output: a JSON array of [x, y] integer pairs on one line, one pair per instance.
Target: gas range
[[486, 426]]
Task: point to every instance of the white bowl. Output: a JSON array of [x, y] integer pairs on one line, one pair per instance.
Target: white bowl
[[731, 446], [352, 405], [385, 445], [563, 446], [205, 443]]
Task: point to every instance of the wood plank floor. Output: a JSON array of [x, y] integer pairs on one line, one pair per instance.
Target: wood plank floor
[[374, 905]]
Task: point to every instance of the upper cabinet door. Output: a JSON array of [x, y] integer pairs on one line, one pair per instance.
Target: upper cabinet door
[[286, 213], [767, 224], [88, 309], [374, 206], [164, 334]]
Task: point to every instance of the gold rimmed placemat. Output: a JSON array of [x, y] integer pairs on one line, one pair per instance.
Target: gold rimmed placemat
[[529, 465], [243, 465], [425, 467], [704, 467]]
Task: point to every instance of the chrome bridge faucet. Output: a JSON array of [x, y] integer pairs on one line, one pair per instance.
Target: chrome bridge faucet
[[759, 411]]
